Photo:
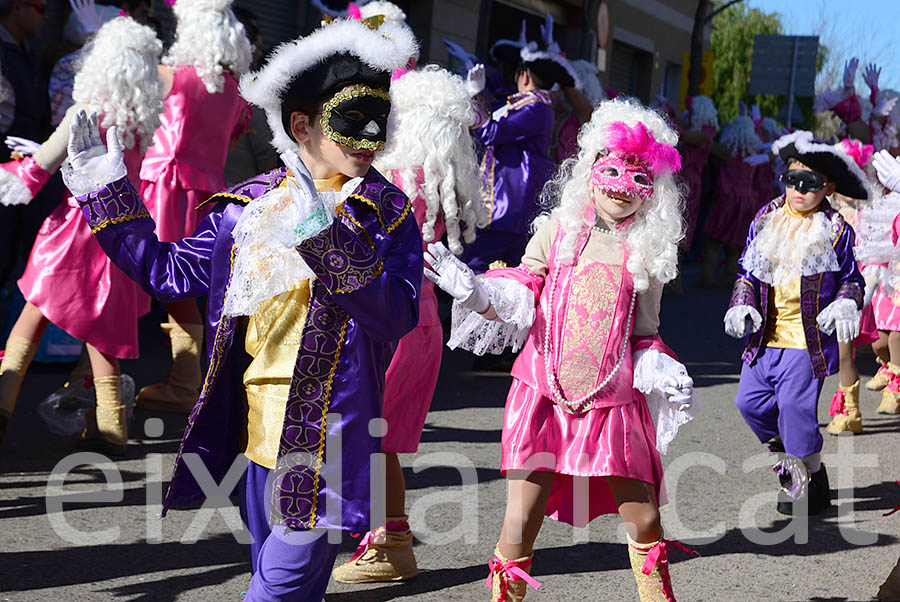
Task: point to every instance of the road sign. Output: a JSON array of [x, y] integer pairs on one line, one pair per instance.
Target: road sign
[[784, 66]]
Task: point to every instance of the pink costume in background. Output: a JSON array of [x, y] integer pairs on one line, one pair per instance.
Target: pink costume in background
[[736, 203], [186, 163], [615, 437], [75, 285], [411, 379], [693, 160]]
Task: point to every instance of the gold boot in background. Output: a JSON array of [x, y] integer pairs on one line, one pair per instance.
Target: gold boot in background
[[180, 391], [16, 359], [845, 409], [385, 554]]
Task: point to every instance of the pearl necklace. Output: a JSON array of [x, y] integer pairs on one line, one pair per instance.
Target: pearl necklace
[[579, 405]]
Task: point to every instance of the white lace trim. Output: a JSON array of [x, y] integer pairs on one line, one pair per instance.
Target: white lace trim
[[789, 247], [668, 417], [12, 190], [873, 231], [514, 304], [266, 262], [81, 182]]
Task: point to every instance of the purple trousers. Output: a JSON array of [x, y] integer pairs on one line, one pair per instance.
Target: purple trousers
[[288, 566], [778, 395]]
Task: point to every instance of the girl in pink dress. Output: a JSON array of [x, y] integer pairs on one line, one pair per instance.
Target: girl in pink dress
[[430, 156], [695, 145], [736, 201], [204, 114], [578, 434], [68, 279]]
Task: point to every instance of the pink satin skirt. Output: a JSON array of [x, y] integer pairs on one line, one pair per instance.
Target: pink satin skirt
[[174, 208], [409, 387], [619, 441], [887, 314], [74, 284]]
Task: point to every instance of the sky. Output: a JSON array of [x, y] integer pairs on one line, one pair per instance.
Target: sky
[[865, 28]]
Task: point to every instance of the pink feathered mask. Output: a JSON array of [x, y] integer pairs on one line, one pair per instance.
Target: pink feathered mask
[[861, 153], [635, 158]]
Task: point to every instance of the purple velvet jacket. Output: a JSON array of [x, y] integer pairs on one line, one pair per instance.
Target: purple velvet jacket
[[816, 292], [365, 297]]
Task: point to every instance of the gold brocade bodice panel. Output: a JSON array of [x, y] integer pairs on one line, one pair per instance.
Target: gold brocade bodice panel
[[784, 326]]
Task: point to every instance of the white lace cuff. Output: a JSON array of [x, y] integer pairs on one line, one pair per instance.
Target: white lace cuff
[[12, 190], [668, 418], [514, 304], [82, 182], [839, 309]]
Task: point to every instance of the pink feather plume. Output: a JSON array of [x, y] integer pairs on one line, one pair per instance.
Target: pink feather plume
[[861, 153], [353, 12], [639, 141]]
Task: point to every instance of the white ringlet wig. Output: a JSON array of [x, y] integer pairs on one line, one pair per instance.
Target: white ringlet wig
[[211, 39], [118, 79], [387, 49], [703, 113], [653, 233], [428, 128], [740, 137]]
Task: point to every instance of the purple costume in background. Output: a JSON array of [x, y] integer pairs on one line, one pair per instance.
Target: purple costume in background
[[365, 297], [779, 388], [515, 167]]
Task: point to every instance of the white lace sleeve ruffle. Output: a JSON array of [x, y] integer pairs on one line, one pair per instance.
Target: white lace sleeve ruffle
[[514, 304], [874, 245], [12, 190], [668, 417], [81, 182]]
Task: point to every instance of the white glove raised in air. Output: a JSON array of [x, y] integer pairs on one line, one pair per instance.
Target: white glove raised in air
[[475, 80], [760, 159], [21, 145], [850, 72], [742, 320], [657, 371], [92, 165], [888, 169], [455, 278], [841, 317], [87, 14]]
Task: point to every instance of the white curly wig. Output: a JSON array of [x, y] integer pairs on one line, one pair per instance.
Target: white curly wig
[[428, 128], [211, 39], [703, 113], [653, 234], [119, 80], [590, 81], [740, 136]]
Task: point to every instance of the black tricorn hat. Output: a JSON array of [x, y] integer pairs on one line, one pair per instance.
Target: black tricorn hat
[[838, 167]]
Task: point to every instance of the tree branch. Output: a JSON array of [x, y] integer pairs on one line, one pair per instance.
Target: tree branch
[[720, 9]]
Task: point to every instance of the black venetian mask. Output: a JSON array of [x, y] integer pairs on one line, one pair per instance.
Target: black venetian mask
[[803, 181], [357, 118]]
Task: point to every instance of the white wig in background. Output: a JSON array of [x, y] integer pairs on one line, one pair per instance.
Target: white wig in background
[[740, 136], [772, 128], [428, 128], [211, 39], [653, 234], [703, 113], [119, 80], [590, 81]]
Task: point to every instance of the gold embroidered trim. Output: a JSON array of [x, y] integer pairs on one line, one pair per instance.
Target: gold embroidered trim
[[337, 99], [387, 229], [243, 199], [118, 220], [356, 223], [377, 273], [323, 424], [838, 237]]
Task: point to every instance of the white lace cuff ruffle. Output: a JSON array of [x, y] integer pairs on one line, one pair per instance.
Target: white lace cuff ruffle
[[514, 304], [12, 190], [82, 182], [667, 416]]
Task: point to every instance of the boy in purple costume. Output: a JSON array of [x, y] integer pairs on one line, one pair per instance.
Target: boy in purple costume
[[347, 293], [798, 292]]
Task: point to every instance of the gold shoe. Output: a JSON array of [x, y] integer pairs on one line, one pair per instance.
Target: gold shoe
[[890, 395], [385, 554], [16, 358], [112, 424], [180, 391], [881, 378], [653, 581], [510, 578], [845, 409]]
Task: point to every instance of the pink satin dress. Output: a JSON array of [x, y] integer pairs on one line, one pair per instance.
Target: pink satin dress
[[615, 436], [186, 163], [736, 203], [693, 160], [412, 377], [75, 285], [868, 327]]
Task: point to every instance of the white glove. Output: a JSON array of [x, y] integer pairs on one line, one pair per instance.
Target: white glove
[[756, 113], [455, 278], [888, 169], [872, 275], [760, 159], [841, 318], [21, 145], [92, 165], [871, 75], [850, 72], [87, 14], [657, 371], [313, 214], [475, 80], [736, 321]]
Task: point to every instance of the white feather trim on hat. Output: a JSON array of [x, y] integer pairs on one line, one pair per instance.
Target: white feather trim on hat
[[530, 52], [590, 81], [387, 48], [805, 143]]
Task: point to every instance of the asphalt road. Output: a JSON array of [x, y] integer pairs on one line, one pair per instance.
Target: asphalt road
[[720, 488]]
